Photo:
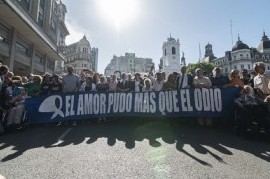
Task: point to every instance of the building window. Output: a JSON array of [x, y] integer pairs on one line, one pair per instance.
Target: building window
[[85, 50], [3, 39], [165, 52], [53, 25], [241, 56], [40, 19], [54, 7], [39, 59], [3, 34], [22, 49], [268, 67], [263, 57], [249, 66], [235, 67], [173, 50], [50, 64], [84, 65], [25, 4], [226, 70], [41, 12], [242, 66], [247, 56], [234, 57]]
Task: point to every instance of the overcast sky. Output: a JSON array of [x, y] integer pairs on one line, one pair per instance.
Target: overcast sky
[[141, 26]]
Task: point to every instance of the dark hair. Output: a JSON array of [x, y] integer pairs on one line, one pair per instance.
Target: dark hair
[[4, 68], [55, 76]]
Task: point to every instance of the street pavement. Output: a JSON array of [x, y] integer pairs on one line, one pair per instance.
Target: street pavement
[[133, 148]]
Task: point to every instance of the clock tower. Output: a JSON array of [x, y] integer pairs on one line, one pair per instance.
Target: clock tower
[[170, 60]]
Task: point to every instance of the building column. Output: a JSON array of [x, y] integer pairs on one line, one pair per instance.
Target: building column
[[12, 49], [35, 6], [48, 14], [32, 62], [45, 64]]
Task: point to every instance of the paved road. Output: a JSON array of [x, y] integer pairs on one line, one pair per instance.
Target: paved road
[[132, 149]]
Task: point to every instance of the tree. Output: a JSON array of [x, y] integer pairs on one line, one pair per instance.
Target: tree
[[206, 67]]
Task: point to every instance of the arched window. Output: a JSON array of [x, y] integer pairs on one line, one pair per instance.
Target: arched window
[[165, 52], [173, 50], [241, 56]]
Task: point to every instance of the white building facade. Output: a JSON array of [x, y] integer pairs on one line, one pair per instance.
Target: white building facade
[[170, 61], [128, 64], [243, 57], [81, 56]]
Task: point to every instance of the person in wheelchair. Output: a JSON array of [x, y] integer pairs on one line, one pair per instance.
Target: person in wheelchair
[[16, 104], [251, 111]]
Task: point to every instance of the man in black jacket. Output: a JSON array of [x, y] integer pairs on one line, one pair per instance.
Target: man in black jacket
[[184, 80], [122, 85]]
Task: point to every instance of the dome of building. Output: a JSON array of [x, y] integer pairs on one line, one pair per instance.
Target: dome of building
[[170, 39], [239, 45], [265, 43]]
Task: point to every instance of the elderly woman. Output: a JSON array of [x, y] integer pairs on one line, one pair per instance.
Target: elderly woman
[[88, 85], [251, 109], [55, 86], [201, 81], [170, 84], [113, 83], [102, 86], [147, 85], [34, 87], [45, 85], [16, 102], [235, 79]]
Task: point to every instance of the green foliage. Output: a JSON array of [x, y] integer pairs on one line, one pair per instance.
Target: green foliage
[[207, 67]]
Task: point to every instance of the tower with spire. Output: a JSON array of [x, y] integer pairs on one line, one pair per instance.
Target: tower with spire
[[170, 59], [183, 59], [209, 55]]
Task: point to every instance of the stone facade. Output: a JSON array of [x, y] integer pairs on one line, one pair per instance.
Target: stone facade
[[243, 57], [81, 56], [128, 64], [32, 35]]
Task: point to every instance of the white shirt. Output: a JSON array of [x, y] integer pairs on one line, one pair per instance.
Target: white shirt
[[82, 88], [137, 88], [144, 89], [157, 85], [204, 80], [262, 82]]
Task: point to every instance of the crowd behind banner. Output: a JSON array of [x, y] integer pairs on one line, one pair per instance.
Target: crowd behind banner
[[212, 102], [253, 100]]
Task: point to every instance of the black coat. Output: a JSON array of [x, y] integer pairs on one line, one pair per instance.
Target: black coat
[[190, 80]]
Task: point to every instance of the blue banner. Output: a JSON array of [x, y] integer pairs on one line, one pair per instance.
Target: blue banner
[[203, 102]]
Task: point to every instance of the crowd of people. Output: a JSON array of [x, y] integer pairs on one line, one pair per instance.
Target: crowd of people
[[253, 100]]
